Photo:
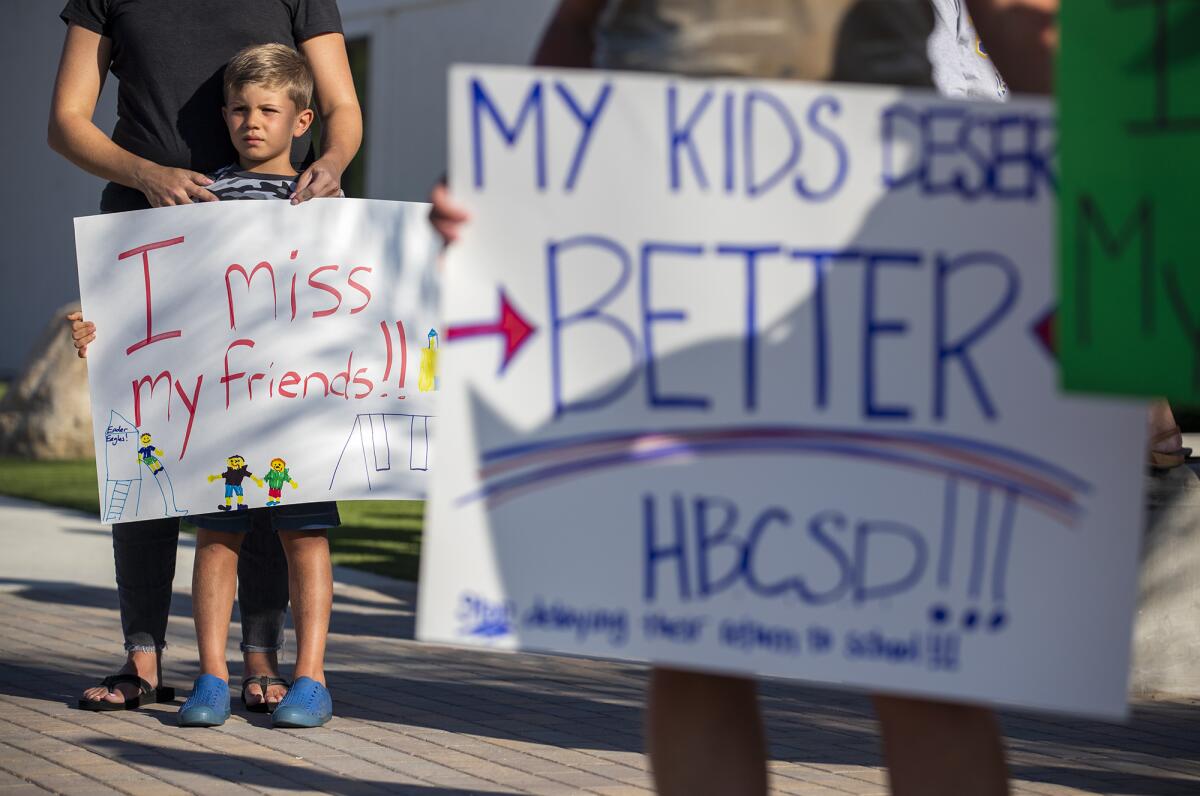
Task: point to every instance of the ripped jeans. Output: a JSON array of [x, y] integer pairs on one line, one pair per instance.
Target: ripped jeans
[[145, 559]]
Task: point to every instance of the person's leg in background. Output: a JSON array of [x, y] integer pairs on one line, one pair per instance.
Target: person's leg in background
[[941, 749], [262, 603], [144, 554], [704, 734]]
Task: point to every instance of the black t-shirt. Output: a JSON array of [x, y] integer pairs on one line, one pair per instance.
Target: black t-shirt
[[170, 55], [235, 477]]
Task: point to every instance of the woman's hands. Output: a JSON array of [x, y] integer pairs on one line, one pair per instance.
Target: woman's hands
[[72, 133], [322, 178], [165, 186], [341, 117]]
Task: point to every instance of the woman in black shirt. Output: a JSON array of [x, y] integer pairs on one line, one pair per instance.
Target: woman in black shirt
[[169, 56]]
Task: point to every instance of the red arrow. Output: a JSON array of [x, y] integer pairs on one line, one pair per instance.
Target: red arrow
[[515, 329]]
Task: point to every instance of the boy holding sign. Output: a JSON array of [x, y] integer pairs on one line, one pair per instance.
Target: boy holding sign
[[268, 90]]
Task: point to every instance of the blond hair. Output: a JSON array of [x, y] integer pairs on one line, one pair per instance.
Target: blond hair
[[274, 66]]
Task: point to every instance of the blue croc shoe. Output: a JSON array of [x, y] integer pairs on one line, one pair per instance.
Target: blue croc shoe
[[307, 704], [208, 705]]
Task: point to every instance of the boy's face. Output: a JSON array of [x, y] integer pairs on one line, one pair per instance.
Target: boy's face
[[263, 121], [145, 439], [235, 462]]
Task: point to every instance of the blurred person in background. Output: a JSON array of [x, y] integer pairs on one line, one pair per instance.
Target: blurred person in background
[[705, 732]]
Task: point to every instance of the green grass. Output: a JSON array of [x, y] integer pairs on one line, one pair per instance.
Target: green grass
[[68, 484], [381, 536]]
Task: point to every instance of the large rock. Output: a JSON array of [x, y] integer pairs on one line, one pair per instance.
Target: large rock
[[46, 413]]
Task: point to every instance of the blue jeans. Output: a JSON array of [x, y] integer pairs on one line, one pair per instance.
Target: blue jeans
[[145, 558]]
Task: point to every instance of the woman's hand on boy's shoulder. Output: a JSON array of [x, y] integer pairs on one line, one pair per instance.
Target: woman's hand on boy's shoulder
[[164, 186], [318, 180]]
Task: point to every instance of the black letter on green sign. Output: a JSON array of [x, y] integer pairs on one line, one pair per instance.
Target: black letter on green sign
[[1159, 56], [1139, 224]]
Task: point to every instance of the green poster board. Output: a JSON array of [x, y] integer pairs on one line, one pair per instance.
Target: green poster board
[[1129, 122]]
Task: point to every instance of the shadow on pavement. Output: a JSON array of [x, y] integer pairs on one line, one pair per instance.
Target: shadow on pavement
[[258, 773], [390, 619], [377, 678]]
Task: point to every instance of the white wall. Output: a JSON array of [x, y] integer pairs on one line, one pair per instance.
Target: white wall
[[412, 44], [41, 191]]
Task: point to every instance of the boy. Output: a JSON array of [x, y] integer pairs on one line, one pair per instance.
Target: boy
[[268, 89]]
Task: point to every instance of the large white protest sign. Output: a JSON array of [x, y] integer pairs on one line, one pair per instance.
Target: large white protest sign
[[301, 340], [756, 377]]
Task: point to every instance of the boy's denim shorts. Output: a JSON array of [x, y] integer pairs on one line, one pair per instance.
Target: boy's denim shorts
[[288, 517]]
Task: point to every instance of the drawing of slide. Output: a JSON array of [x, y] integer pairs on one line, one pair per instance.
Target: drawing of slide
[[124, 463]]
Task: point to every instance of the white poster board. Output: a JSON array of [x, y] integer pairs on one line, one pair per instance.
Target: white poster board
[[772, 393], [305, 334]]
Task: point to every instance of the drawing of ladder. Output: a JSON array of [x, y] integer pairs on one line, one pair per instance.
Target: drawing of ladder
[[116, 503], [122, 468]]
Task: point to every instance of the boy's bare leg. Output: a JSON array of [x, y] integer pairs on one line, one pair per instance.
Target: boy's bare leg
[[705, 734], [310, 582], [940, 749], [214, 585]]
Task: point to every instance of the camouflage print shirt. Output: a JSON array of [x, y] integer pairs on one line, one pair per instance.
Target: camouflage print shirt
[[231, 182], [860, 41]]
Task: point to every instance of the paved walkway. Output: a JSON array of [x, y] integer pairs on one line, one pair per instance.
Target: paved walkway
[[422, 720]]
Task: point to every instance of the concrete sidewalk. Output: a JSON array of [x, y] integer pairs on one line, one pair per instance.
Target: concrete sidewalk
[[416, 719]]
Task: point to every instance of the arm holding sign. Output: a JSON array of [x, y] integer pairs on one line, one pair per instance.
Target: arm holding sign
[[340, 115]]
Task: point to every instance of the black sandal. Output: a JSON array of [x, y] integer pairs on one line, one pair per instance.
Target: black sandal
[[263, 682], [147, 694]]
